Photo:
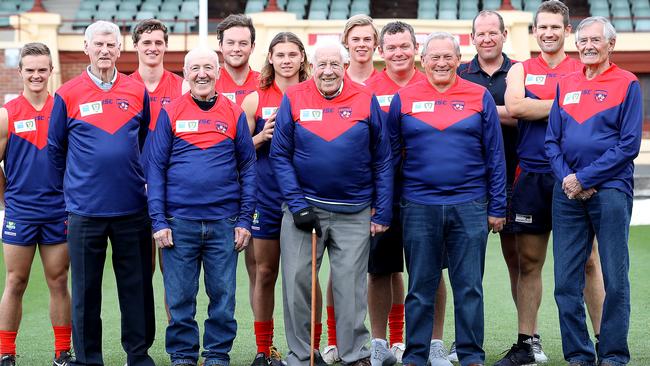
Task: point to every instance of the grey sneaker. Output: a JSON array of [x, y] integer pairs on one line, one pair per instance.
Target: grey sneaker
[[538, 351], [398, 351], [453, 356], [438, 355], [380, 355], [331, 355]]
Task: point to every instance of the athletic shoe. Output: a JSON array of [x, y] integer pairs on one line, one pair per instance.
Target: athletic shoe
[[380, 355], [517, 356], [538, 351], [438, 354], [453, 356], [398, 351], [8, 360], [275, 357], [260, 360], [362, 362], [64, 359], [331, 355], [318, 359]]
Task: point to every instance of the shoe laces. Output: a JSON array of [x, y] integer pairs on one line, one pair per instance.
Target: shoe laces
[[438, 351], [536, 345], [274, 353]]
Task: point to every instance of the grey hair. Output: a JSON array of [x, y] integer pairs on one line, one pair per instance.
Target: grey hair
[[440, 35], [102, 27], [608, 29], [345, 56], [200, 51]]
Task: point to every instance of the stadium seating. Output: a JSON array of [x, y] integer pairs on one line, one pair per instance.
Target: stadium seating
[[254, 6], [317, 15], [623, 24]]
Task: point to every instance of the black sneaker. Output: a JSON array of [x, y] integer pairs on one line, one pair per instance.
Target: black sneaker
[[64, 359], [518, 356], [8, 360], [260, 360], [318, 359]]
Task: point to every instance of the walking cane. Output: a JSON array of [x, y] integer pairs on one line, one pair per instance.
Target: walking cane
[[313, 296]]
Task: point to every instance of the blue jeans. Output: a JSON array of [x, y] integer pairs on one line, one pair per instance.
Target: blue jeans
[[429, 229], [607, 216], [210, 243]]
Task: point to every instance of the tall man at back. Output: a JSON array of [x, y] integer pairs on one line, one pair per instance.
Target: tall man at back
[[489, 69], [99, 124], [35, 210], [236, 36], [529, 96]]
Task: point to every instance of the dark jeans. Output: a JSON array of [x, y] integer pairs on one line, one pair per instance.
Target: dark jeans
[[130, 238], [607, 216], [429, 230], [207, 244]]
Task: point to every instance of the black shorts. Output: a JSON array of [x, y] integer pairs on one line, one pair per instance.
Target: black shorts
[[387, 249], [509, 227], [532, 198]]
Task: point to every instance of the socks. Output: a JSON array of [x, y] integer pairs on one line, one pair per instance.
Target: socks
[[396, 324], [264, 336], [331, 326], [61, 339], [525, 341], [318, 332], [7, 342]]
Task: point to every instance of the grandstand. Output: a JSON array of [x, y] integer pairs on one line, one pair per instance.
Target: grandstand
[[60, 24]]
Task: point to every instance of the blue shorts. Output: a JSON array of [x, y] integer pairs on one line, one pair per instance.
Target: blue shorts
[[32, 233], [266, 223], [532, 198]]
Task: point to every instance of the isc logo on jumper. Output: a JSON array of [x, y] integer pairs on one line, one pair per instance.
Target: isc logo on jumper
[[384, 100], [267, 112], [91, 108], [311, 114], [535, 79], [572, 98], [423, 106], [26, 125], [187, 125], [230, 96]]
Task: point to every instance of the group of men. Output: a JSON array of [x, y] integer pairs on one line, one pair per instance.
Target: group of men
[[383, 166]]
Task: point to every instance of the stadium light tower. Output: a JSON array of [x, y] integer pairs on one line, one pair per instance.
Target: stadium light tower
[[203, 22]]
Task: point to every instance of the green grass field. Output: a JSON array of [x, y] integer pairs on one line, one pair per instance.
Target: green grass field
[[34, 343]]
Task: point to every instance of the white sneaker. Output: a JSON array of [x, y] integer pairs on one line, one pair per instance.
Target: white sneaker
[[538, 351], [398, 351], [453, 356], [331, 355], [380, 355], [438, 354]]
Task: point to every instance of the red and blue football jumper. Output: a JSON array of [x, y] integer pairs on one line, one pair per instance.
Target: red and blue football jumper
[[456, 132], [236, 93], [540, 82], [94, 141], [268, 191], [169, 88], [201, 164], [384, 87], [334, 152], [34, 189], [595, 129]]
